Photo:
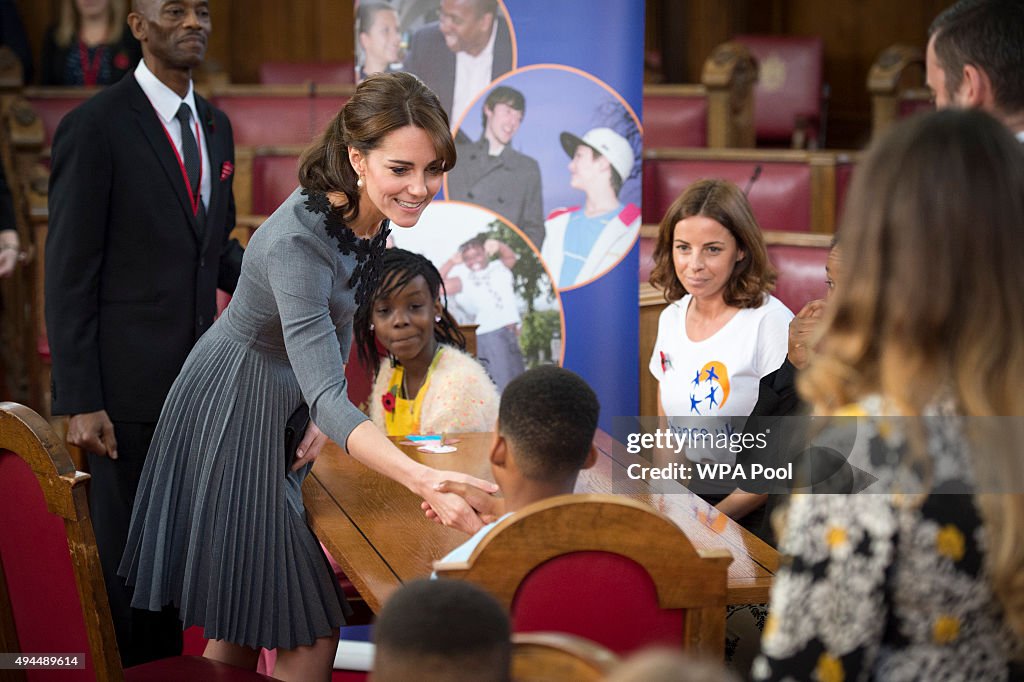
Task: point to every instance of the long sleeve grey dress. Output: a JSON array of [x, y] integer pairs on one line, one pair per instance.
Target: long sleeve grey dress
[[218, 527]]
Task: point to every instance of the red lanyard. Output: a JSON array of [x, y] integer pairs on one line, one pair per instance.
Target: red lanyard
[[192, 196], [90, 68]]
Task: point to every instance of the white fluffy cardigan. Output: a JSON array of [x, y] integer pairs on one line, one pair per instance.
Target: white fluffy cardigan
[[460, 397]]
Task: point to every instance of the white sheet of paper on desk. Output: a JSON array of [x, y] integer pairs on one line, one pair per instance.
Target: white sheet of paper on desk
[[354, 656], [437, 449]]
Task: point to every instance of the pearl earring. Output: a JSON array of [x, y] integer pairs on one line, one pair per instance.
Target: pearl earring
[[359, 182], [437, 318], [371, 327]]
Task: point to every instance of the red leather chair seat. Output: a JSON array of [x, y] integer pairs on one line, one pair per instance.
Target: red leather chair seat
[[285, 73], [675, 121], [789, 85], [274, 178], [801, 274], [781, 196]]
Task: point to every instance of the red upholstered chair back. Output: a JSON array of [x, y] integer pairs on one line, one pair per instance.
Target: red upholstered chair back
[[914, 105], [44, 603], [561, 595], [647, 245], [52, 105], [270, 119], [286, 73], [274, 178], [801, 274], [781, 196], [604, 567], [52, 596], [325, 108], [675, 119], [789, 87]]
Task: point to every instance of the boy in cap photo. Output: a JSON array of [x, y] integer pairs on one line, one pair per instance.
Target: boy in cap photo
[[583, 242]]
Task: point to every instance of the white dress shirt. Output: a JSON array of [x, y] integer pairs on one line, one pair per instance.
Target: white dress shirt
[[472, 75]]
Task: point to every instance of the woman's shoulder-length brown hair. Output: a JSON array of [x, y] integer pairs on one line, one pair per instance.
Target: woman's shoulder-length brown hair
[[381, 104], [752, 278]]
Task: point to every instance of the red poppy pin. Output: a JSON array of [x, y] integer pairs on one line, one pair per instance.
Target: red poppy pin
[[121, 62], [227, 169], [666, 361], [388, 401]]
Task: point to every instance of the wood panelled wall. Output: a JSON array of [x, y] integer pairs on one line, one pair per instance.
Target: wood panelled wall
[[246, 32]]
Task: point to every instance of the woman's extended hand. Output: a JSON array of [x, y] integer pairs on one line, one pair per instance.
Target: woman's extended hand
[[488, 507], [453, 509], [310, 447]]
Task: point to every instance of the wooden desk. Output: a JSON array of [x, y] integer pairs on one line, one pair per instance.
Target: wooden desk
[[375, 529]]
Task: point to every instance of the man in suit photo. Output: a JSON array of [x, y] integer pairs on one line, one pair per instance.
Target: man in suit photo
[[493, 174], [458, 56], [141, 209]]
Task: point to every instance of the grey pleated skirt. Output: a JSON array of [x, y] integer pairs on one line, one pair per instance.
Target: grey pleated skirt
[[218, 527]]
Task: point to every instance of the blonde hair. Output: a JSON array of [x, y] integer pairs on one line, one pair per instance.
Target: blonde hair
[[70, 22], [934, 304]]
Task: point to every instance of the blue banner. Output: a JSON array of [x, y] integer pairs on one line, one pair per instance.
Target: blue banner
[[544, 100]]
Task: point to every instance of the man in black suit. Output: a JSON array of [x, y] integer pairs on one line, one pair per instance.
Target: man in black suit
[[458, 56], [141, 208]]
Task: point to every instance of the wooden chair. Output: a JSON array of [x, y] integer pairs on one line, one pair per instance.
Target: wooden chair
[[556, 656], [896, 83], [604, 567], [52, 595]]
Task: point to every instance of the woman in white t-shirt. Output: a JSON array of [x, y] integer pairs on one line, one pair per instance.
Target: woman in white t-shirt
[[722, 330]]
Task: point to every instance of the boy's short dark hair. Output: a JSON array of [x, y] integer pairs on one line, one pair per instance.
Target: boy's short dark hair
[[503, 94], [443, 630], [549, 415]]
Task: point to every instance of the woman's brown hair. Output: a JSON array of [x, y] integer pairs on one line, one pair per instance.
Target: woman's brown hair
[[723, 202], [932, 306], [381, 104]]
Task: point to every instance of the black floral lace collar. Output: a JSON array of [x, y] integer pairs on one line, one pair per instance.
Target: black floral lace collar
[[368, 252]]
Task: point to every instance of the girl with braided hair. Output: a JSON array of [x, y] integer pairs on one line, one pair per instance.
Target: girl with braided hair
[[430, 385]]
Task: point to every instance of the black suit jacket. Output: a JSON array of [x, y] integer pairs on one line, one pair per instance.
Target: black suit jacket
[[431, 60], [131, 279]]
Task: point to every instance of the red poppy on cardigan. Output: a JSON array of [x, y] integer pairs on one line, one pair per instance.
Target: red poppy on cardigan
[[121, 61], [388, 401], [666, 362]]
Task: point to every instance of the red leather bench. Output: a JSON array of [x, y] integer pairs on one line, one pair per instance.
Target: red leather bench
[[52, 104], [780, 197], [801, 273], [274, 177], [287, 73], [675, 116], [268, 119]]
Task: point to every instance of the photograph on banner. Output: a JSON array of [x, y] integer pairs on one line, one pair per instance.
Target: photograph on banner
[[589, 166], [457, 47], [495, 280]]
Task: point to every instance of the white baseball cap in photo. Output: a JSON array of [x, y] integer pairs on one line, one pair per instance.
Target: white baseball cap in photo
[[606, 142]]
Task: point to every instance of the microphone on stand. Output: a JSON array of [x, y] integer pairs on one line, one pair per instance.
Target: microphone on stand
[[753, 178]]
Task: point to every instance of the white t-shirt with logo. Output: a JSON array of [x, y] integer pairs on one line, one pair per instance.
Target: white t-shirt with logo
[[719, 376]]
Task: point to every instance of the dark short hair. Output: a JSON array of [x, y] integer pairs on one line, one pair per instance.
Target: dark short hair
[[448, 629], [549, 416], [502, 95], [381, 104], [726, 204], [988, 34], [486, 7], [398, 268]]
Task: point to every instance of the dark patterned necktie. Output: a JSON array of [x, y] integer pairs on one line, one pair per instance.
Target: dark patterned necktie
[[190, 152]]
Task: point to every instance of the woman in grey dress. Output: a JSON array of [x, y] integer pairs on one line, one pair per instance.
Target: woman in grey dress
[[218, 527]]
